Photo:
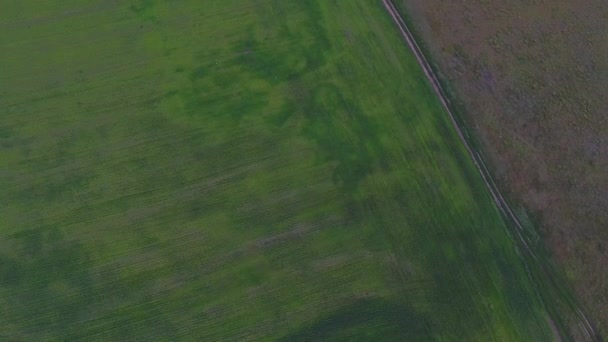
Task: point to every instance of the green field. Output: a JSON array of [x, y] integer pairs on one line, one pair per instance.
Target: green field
[[239, 170]]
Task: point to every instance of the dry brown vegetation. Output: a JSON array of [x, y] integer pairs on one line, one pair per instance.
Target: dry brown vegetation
[[532, 77]]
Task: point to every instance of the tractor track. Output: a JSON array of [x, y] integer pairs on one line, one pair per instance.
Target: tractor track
[[519, 231]]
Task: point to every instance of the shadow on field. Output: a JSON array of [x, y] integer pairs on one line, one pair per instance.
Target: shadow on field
[[366, 320]]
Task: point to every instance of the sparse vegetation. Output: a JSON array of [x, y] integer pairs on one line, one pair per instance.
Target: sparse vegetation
[[542, 121]]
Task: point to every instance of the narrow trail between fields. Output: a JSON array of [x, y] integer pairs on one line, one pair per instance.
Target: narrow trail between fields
[[499, 199]]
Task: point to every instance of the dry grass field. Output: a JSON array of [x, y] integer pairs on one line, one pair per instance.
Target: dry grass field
[[532, 79]]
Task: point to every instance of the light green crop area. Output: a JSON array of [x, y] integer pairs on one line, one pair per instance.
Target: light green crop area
[[239, 170]]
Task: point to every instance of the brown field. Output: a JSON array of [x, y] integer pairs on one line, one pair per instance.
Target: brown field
[[532, 78]]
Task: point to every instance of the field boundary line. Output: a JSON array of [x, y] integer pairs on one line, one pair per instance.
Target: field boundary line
[[481, 166]]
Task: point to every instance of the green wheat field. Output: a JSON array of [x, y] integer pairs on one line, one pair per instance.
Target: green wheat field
[[239, 170]]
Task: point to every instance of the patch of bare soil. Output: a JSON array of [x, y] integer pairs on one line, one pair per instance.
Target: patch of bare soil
[[532, 78]]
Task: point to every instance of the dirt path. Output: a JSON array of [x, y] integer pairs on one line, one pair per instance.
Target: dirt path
[[499, 199]]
